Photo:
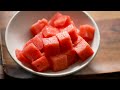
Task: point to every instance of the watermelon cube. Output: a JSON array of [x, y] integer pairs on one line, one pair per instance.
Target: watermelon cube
[[40, 35], [51, 46], [49, 31], [83, 50], [59, 62], [79, 39], [68, 21], [56, 16], [21, 57], [27, 43], [65, 41], [31, 52], [37, 42], [60, 21], [72, 57], [41, 64], [38, 26], [72, 30], [87, 32]]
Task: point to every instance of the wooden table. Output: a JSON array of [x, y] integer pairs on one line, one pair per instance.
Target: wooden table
[[107, 59]]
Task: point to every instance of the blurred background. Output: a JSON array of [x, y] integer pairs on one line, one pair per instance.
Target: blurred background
[[97, 15]]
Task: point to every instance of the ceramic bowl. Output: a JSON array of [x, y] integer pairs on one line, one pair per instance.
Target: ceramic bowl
[[17, 34]]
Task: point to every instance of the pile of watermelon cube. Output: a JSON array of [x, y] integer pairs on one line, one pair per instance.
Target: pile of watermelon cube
[[56, 44]]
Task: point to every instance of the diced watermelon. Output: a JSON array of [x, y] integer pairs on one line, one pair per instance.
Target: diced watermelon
[[38, 26], [87, 32], [56, 44], [59, 62], [40, 35], [83, 50], [78, 31], [31, 52], [72, 57], [56, 16], [65, 41], [79, 39], [43, 54], [49, 31], [41, 64], [51, 46], [72, 30], [22, 58], [60, 21], [68, 21], [37, 42], [27, 43]]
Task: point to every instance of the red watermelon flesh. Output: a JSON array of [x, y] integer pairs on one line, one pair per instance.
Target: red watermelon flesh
[[72, 30], [83, 50], [38, 26], [56, 44], [56, 16], [37, 42], [87, 32], [22, 58], [31, 52], [72, 57], [65, 41], [68, 21], [41, 64], [40, 35], [51, 46], [49, 31], [79, 39], [62, 21], [59, 62], [27, 43]]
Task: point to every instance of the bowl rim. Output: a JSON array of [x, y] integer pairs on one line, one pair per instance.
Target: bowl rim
[[63, 73]]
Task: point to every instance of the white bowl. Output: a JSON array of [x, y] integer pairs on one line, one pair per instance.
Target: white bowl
[[17, 34]]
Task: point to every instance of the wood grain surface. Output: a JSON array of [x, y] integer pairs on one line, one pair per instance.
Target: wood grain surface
[[108, 57]]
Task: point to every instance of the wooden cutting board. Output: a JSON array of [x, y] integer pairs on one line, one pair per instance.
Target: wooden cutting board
[[107, 59], [108, 56]]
